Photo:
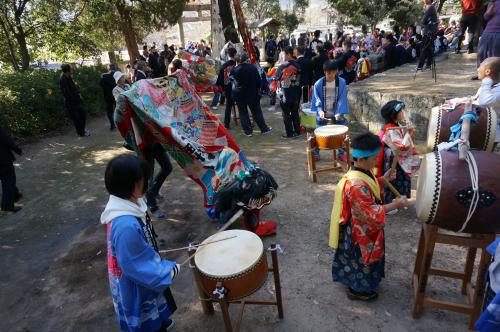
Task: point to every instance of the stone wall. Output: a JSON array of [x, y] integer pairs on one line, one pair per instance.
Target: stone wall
[[365, 107], [367, 97]]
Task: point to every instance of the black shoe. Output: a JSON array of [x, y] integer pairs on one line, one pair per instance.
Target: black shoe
[[227, 127], [361, 296], [267, 131], [470, 51], [14, 209], [457, 51], [249, 135], [427, 68], [112, 128], [286, 136], [18, 197], [474, 78]]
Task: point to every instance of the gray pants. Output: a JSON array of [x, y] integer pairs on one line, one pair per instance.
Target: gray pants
[[489, 45]]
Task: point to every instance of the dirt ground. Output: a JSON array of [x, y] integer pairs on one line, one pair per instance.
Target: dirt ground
[[53, 252]]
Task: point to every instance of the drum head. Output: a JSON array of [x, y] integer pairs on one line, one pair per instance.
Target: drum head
[[331, 130], [429, 187], [230, 257]]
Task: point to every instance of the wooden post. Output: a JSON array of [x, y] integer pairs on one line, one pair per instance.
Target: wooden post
[[224, 306], [311, 163], [206, 304], [479, 291], [430, 234], [277, 282], [347, 146], [469, 267]]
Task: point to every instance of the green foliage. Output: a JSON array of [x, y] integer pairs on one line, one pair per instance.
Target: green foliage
[[406, 12], [372, 12], [258, 10], [31, 103], [291, 22]]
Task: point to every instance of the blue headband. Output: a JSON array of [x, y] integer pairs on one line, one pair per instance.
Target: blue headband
[[399, 106], [356, 153]]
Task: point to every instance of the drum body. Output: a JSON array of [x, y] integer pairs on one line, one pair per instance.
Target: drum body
[[331, 136], [307, 117], [444, 192], [239, 264], [482, 134]]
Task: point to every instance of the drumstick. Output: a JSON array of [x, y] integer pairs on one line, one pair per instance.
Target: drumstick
[[203, 244], [196, 246], [231, 221], [391, 187]]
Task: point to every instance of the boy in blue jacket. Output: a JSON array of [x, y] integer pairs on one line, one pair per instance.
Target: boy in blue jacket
[[329, 98], [139, 278]]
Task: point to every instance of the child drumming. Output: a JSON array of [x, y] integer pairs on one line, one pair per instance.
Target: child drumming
[[138, 278], [397, 143], [489, 92], [329, 99], [357, 222]]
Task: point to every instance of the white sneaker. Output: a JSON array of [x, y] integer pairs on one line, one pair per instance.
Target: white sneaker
[[214, 108], [272, 109]]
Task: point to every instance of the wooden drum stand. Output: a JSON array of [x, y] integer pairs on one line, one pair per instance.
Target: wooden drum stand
[[207, 301], [311, 162], [429, 236]]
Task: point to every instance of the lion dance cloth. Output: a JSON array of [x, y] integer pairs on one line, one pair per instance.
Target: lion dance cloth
[[168, 110], [202, 71]]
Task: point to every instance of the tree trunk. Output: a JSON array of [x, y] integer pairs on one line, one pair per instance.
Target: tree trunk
[[128, 31], [112, 57], [228, 27], [12, 53], [440, 6], [23, 48]]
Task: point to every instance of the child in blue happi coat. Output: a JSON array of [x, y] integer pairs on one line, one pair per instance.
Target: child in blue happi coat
[[329, 98], [139, 278]]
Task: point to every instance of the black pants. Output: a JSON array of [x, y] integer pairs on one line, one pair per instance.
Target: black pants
[[9, 189], [256, 114], [291, 117], [467, 22], [305, 94], [77, 116], [110, 110], [227, 111], [427, 51], [158, 153]]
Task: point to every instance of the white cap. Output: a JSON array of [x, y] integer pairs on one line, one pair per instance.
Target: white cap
[[117, 75]]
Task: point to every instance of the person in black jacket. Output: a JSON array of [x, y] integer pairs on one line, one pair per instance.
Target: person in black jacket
[[107, 84], [245, 80], [10, 193], [288, 76], [318, 62], [140, 73], [153, 62], [306, 73], [429, 29], [391, 54], [72, 100], [347, 62], [225, 83]]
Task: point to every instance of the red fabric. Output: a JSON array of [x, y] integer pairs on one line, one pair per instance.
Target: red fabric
[[367, 219], [471, 7], [245, 35], [380, 159]]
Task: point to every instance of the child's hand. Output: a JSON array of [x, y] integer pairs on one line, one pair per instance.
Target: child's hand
[[390, 175], [321, 114], [401, 202]]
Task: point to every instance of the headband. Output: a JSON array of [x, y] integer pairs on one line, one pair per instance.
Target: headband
[[357, 153], [399, 106]]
